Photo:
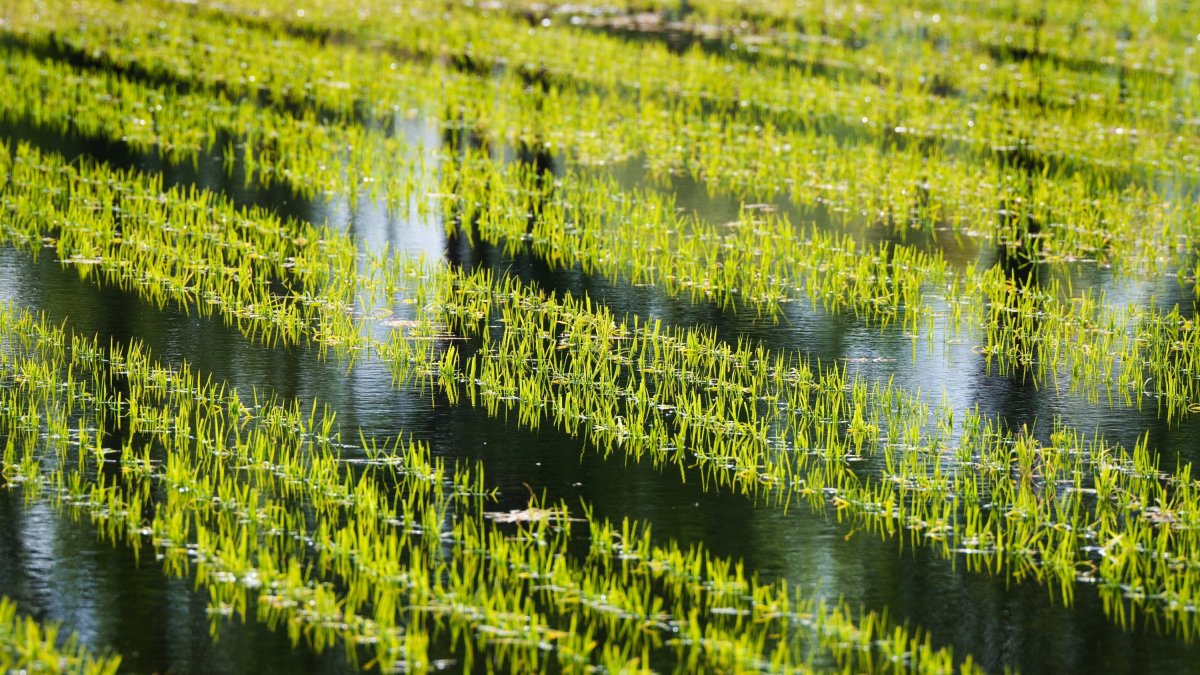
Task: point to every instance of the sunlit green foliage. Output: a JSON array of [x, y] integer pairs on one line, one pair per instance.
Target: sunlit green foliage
[[1061, 139], [27, 646], [383, 548]]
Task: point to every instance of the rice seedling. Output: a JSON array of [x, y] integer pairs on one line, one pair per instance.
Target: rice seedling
[[28, 646]]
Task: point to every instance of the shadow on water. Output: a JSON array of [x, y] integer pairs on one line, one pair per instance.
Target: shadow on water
[[101, 592]]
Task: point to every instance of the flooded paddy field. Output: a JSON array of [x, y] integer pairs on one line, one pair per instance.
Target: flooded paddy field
[[687, 337]]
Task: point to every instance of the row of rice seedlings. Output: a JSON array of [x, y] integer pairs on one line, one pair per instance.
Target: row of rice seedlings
[[174, 48], [779, 429], [962, 56], [27, 646], [482, 30], [1122, 355], [1027, 61], [388, 552], [1106, 141], [284, 282], [910, 184], [312, 157], [1148, 41], [639, 236]]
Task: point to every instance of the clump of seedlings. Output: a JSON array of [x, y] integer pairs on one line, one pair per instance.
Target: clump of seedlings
[[27, 646], [385, 551]]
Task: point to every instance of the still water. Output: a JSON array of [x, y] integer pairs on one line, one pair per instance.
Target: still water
[[57, 569]]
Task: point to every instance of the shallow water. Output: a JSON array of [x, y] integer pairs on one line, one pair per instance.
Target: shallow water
[[999, 624], [58, 569]]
